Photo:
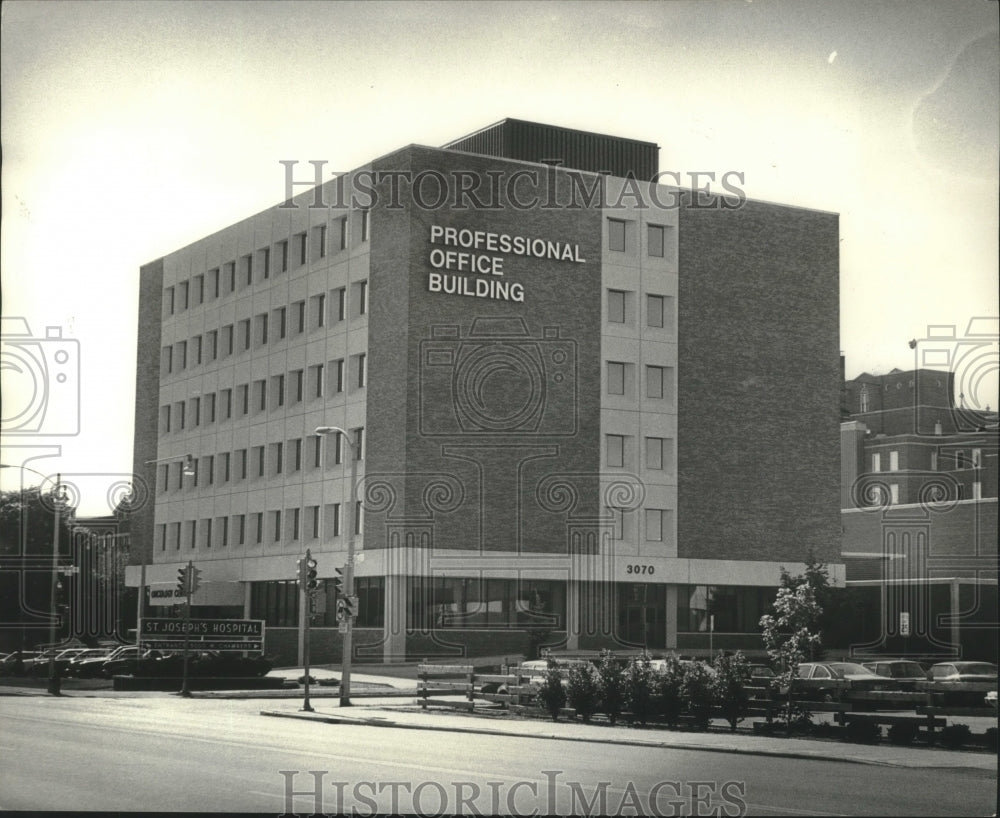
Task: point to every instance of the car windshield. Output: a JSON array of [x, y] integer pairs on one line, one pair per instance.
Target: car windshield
[[842, 669], [905, 669]]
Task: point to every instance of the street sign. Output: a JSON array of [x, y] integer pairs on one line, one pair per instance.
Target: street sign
[[203, 634], [904, 623]]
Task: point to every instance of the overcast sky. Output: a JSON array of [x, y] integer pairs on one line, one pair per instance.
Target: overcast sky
[[130, 129]]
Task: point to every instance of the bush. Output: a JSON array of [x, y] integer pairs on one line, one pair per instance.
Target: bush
[[611, 681], [991, 739], [697, 690], [863, 731], [583, 691], [552, 694], [669, 701], [955, 735], [903, 733], [732, 674], [639, 689]]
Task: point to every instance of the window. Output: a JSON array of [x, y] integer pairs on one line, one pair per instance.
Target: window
[[295, 524], [657, 453], [243, 391], [316, 381], [182, 354], [894, 461], [659, 382], [616, 306], [365, 214], [212, 345], [258, 526], [876, 461], [225, 473], [260, 460], [264, 261], [655, 242], [209, 469], [247, 270], [210, 401], [615, 450], [281, 322], [616, 235], [260, 395], [312, 520], [343, 233], [332, 517], [278, 457], [316, 443], [240, 524], [337, 376], [317, 309], [165, 419], [278, 390], [282, 248], [230, 276], [301, 249], [359, 518], [340, 303], [894, 493], [655, 311], [616, 378], [227, 403], [241, 463], [246, 336], [227, 340], [184, 290], [167, 360], [654, 525], [359, 293], [296, 450], [276, 523], [319, 241], [299, 317], [360, 367], [180, 410], [260, 334], [199, 289], [195, 411], [213, 283], [193, 533], [359, 443], [298, 379], [161, 536], [222, 526], [170, 302]]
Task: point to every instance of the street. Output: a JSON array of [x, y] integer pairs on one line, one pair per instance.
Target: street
[[170, 754]]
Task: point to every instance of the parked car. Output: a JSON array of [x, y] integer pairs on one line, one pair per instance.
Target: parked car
[[905, 672], [13, 663], [130, 662], [822, 679], [963, 683], [38, 665], [93, 668], [86, 655]]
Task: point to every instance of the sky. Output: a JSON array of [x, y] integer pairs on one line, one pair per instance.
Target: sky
[[131, 129]]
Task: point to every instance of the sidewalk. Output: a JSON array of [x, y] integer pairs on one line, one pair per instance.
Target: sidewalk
[[394, 710]]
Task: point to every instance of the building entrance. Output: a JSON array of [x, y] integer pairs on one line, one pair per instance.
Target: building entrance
[[642, 620]]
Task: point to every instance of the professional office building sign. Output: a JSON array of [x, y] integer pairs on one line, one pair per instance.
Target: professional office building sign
[[471, 262]]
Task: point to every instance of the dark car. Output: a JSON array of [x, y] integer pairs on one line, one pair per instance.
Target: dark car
[[823, 679], [962, 683], [963, 672], [130, 663], [13, 663], [93, 668], [905, 672]]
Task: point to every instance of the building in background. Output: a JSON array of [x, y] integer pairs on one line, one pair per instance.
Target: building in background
[[920, 516], [584, 405]]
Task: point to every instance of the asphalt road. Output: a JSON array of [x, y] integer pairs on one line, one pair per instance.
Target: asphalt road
[[172, 754]]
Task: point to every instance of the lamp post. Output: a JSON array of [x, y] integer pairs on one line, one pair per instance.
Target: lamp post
[[57, 500], [345, 675]]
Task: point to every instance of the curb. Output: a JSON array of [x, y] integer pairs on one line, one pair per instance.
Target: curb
[[385, 722]]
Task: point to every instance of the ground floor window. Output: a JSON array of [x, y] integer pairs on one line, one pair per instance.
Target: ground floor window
[[736, 608], [476, 602], [276, 602]]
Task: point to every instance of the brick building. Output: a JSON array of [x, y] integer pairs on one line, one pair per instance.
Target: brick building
[[582, 402]]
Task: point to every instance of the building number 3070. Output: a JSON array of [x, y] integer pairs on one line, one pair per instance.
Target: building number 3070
[[633, 568]]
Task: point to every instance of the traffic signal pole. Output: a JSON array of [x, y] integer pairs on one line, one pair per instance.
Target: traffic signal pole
[[306, 567], [186, 579]]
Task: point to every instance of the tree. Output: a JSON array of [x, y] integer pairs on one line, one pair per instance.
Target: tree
[[789, 633], [552, 693], [583, 690], [698, 692], [668, 690], [612, 684], [639, 688], [732, 674]]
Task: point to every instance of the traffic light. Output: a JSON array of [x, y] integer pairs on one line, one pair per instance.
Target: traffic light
[[347, 607], [312, 584], [182, 581], [341, 582], [194, 578], [300, 572]]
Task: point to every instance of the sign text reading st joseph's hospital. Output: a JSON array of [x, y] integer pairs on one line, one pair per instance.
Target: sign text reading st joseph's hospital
[[480, 254]]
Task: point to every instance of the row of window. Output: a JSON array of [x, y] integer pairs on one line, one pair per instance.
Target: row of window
[[659, 309], [622, 235], [309, 245], [257, 462], [265, 328], [957, 459], [309, 524], [620, 453], [246, 399], [658, 525], [659, 380], [277, 603]]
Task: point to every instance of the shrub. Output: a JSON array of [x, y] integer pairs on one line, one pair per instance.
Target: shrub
[[991, 738], [698, 693], [732, 674], [611, 681], [639, 689], [955, 735], [669, 701], [903, 733], [863, 731], [552, 694], [583, 691]]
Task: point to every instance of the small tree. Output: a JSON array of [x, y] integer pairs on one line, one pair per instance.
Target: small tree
[[698, 692], [732, 673], [552, 693], [639, 689], [788, 636], [669, 700], [612, 686], [583, 692]]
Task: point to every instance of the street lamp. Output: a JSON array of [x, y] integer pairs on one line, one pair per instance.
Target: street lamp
[[58, 497], [345, 675], [188, 469]]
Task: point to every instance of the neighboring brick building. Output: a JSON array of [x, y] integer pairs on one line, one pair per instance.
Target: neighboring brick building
[[606, 416], [919, 493]]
